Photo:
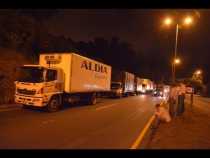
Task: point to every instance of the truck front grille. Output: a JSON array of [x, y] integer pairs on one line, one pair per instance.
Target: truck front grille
[[25, 91]]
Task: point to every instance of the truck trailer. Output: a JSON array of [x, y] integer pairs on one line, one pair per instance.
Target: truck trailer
[[60, 78], [122, 83], [138, 85]]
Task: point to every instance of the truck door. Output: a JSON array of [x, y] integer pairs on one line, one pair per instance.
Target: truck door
[[51, 82]]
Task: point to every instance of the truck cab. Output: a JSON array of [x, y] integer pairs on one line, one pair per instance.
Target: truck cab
[[116, 89], [37, 84]]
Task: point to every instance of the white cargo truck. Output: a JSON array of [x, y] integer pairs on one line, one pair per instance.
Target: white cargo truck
[[129, 84], [61, 78], [138, 85], [122, 83]]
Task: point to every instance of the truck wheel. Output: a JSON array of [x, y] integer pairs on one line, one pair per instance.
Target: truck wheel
[[93, 99], [54, 104]]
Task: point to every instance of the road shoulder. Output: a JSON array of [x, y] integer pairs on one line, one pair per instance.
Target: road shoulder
[[9, 106], [189, 131]]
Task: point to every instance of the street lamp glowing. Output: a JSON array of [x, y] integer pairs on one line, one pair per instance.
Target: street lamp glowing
[[168, 21], [188, 20], [177, 61]]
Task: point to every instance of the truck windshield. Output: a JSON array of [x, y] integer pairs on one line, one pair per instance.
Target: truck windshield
[[31, 74], [115, 85]]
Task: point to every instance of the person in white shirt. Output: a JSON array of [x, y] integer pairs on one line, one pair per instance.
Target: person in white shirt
[[161, 115]]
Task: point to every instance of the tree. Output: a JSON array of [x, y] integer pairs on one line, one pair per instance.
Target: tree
[[39, 16], [16, 31]]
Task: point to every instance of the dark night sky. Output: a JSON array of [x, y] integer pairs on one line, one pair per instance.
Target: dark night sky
[[143, 29], [134, 26]]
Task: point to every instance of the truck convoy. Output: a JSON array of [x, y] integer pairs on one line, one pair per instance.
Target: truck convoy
[[60, 78], [122, 83]]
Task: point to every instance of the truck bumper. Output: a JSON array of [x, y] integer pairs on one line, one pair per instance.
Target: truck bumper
[[114, 94], [31, 101]]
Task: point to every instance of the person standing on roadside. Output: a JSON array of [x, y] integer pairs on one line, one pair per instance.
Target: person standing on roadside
[[178, 103], [182, 99], [173, 100]]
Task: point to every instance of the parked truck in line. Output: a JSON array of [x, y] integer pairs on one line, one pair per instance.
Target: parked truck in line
[[61, 78], [144, 85], [138, 85], [162, 90], [122, 83]]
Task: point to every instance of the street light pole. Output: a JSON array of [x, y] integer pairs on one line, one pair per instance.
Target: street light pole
[[168, 21], [175, 54]]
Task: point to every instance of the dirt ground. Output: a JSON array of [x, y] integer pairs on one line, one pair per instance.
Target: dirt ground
[[189, 131]]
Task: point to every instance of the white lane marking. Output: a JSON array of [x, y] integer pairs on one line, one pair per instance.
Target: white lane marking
[[9, 109], [107, 106]]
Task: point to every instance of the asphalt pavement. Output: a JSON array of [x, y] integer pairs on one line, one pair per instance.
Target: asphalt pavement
[[110, 124]]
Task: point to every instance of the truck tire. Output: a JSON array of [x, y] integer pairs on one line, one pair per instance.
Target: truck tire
[[126, 94], [54, 104], [92, 99]]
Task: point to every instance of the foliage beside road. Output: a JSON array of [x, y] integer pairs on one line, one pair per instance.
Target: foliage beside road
[[9, 61]]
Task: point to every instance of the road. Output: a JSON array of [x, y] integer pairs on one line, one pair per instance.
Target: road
[[110, 124]]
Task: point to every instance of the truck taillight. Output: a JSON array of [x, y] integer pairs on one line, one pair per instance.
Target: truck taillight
[[40, 91]]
